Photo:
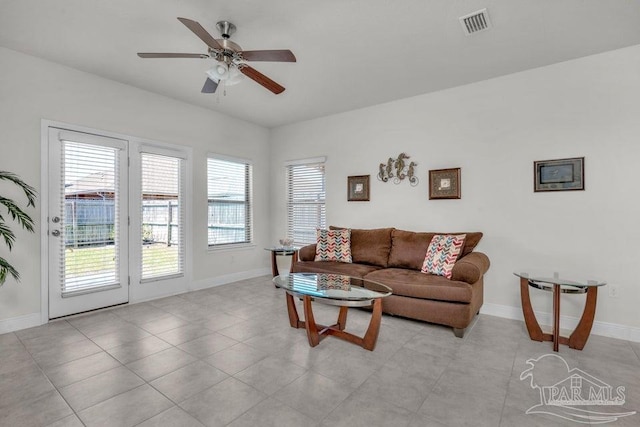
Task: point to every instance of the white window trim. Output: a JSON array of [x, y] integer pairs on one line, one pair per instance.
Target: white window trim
[[231, 246], [163, 150], [308, 161], [217, 156], [182, 155], [301, 162]]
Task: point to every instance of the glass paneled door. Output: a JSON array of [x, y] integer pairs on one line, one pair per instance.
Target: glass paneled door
[[162, 216], [87, 222]]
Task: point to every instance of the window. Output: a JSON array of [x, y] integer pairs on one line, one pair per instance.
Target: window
[[91, 190], [229, 201], [162, 216], [305, 200]]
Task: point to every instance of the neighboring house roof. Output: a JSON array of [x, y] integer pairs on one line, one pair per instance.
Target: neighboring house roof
[[102, 183]]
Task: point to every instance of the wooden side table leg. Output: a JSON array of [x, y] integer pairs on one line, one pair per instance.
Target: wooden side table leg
[[556, 317], [294, 319], [342, 318], [371, 336], [310, 323], [274, 264], [294, 259], [580, 335], [533, 327]]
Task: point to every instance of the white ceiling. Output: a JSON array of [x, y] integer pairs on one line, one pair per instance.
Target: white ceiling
[[351, 53]]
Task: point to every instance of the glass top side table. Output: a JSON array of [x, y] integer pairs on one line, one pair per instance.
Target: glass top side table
[[558, 284], [283, 251]]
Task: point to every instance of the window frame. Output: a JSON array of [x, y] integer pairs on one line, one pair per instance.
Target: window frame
[[182, 158], [320, 161], [248, 203]]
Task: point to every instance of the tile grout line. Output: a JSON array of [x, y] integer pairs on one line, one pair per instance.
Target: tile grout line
[[506, 395]]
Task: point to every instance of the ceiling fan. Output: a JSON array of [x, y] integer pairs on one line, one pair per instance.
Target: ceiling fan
[[231, 59]]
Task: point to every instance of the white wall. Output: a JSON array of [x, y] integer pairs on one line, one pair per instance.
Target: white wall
[[494, 130], [32, 89]]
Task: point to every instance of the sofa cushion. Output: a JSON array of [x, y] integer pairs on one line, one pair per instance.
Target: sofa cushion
[[353, 270], [442, 254], [410, 283], [333, 245], [370, 246], [409, 248], [470, 242], [307, 253]]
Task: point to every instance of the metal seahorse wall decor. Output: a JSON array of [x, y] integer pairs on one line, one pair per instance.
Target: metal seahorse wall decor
[[397, 169]]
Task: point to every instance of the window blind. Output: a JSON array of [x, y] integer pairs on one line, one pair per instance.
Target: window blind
[[305, 201], [89, 218], [162, 216], [229, 196]]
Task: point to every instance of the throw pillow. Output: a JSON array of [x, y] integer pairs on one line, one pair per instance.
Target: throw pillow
[[333, 281], [442, 254], [333, 245]]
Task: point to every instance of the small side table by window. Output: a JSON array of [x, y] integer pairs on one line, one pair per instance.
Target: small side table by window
[[559, 284], [275, 251]]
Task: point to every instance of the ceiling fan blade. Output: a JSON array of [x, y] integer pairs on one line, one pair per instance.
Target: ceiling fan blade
[[199, 31], [284, 55], [209, 86], [261, 79], [172, 55]]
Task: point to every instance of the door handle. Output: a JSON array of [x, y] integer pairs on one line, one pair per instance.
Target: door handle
[[56, 233]]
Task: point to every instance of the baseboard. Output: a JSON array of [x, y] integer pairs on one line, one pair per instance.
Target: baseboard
[[21, 322], [605, 329], [34, 319], [196, 285]]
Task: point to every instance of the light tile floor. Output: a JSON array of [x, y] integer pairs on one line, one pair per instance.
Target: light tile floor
[[227, 356]]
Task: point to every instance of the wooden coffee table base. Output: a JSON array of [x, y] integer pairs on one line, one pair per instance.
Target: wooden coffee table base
[[578, 338], [316, 333]]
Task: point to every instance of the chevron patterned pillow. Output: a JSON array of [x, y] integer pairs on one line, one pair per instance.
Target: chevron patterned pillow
[[442, 254], [333, 245]]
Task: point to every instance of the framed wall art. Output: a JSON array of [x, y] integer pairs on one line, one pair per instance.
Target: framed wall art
[[444, 183], [558, 175], [358, 188]]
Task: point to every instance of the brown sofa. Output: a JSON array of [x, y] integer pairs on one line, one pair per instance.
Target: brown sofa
[[394, 258]]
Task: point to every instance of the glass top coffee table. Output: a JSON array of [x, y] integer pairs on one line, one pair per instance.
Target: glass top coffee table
[[338, 290], [559, 284]]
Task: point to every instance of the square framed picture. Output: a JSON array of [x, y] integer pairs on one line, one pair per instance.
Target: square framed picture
[[558, 175], [444, 183], [358, 188]]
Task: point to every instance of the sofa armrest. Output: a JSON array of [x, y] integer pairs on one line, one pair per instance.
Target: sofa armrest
[[470, 268], [307, 253]]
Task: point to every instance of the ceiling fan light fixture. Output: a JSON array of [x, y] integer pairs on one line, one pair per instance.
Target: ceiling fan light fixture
[[219, 72], [235, 77], [223, 73]]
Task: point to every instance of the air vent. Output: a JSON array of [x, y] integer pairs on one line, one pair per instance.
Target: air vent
[[475, 22]]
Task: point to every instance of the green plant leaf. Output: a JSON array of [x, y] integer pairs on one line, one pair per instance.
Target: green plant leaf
[[29, 191], [5, 268], [17, 213], [7, 234]]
